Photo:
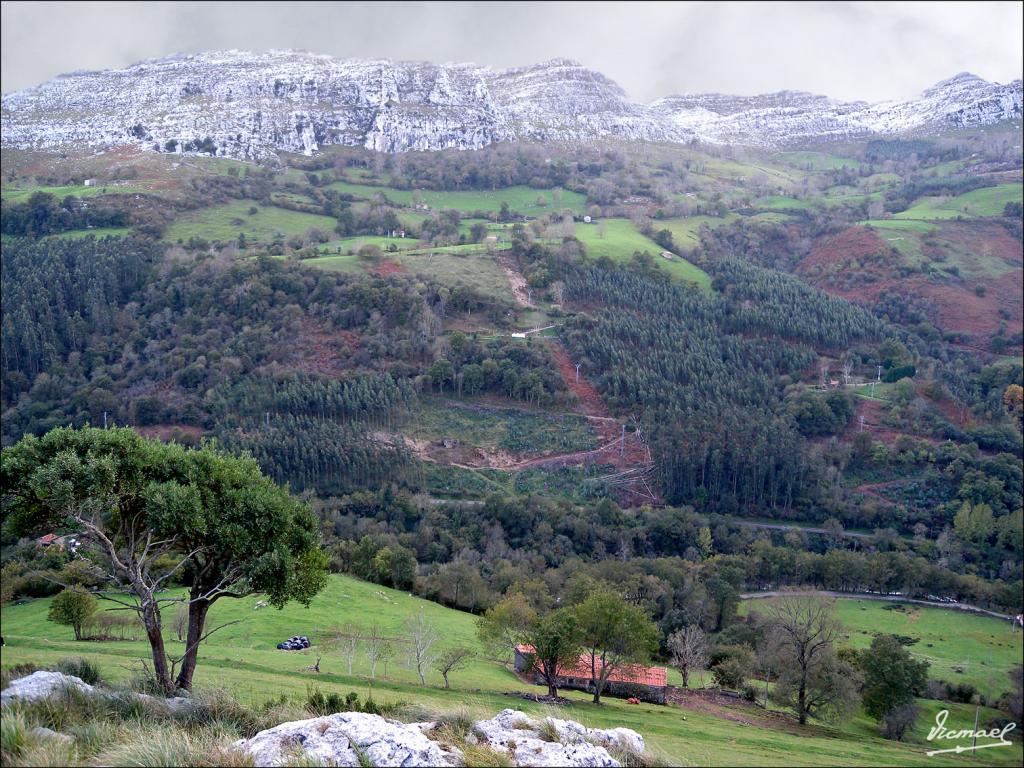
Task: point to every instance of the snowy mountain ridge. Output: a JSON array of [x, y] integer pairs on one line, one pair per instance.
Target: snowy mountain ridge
[[254, 105]]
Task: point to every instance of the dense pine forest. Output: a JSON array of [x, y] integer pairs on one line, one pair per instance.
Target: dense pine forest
[[363, 369]]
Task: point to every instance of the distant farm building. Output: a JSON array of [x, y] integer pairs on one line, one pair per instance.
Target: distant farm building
[[667, 255], [90, 182], [628, 681], [58, 542]]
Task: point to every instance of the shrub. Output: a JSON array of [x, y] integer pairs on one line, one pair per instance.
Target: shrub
[[19, 746], [629, 757], [160, 746], [320, 703], [452, 729], [14, 737], [79, 667], [895, 723], [548, 732], [485, 757], [731, 665], [730, 673]]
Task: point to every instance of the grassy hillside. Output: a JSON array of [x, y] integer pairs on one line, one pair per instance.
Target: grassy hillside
[[817, 161], [225, 222], [469, 265], [984, 648], [686, 231], [618, 240], [988, 201], [242, 658], [524, 200], [21, 194]]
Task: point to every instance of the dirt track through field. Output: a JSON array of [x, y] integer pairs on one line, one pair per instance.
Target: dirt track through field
[[520, 289]]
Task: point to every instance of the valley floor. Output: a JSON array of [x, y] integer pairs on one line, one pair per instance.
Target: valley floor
[[702, 730]]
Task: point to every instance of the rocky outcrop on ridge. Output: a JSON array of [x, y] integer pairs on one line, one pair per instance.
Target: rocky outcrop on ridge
[[255, 105]]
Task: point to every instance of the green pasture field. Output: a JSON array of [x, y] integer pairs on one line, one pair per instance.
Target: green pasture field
[[1009, 360], [845, 191], [881, 179], [771, 217], [948, 168], [97, 232], [901, 224], [466, 265], [503, 231], [781, 203], [225, 222], [685, 231], [509, 429], [985, 648], [988, 201], [345, 262], [621, 240], [882, 390], [21, 194], [346, 244], [731, 171], [817, 161], [521, 199], [242, 659]]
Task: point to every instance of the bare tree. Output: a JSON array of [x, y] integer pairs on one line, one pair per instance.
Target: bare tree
[[823, 370], [568, 226], [557, 291], [848, 362], [375, 643], [452, 659], [804, 630], [422, 637], [689, 649], [346, 641], [180, 621], [387, 653]]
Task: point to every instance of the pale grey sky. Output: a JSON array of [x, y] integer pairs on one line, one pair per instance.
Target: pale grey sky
[[848, 50]]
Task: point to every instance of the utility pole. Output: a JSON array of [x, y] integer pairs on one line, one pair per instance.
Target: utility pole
[[974, 741], [622, 444], [879, 373], [104, 419], [266, 419], [862, 423], [578, 371]]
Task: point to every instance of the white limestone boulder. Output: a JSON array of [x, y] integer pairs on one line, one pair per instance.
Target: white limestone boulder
[[40, 685], [354, 738], [341, 738], [577, 745]]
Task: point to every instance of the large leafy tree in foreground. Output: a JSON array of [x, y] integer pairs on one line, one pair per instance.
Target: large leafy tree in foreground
[[149, 513], [615, 634]]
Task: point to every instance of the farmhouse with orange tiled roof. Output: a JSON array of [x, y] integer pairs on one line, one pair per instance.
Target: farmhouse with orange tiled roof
[[629, 680]]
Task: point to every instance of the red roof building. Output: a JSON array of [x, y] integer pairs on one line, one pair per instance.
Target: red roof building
[[623, 679]]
